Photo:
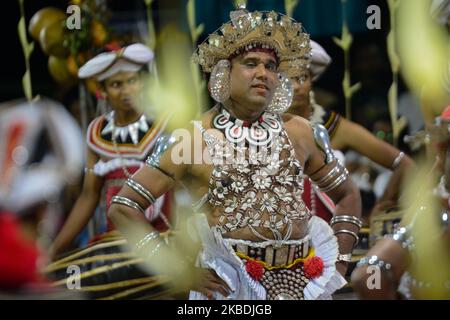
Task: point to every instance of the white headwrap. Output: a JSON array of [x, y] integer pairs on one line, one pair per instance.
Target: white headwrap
[[440, 10], [26, 180], [107, 64], [320, 60]]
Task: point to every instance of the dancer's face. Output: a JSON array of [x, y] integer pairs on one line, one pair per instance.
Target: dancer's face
[[253, 78], [300, 101], [123, 90]]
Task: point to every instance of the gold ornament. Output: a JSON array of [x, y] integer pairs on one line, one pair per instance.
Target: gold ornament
[[59, 72], [43, 18], [248, 30], [52, 39]]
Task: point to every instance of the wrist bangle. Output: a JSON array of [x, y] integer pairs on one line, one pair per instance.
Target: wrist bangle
[[353, 234], [344, 257], [374, 261], [146, 240], [346, 218], [397, 160]]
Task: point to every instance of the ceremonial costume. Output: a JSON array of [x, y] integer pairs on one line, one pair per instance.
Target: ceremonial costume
[[108, 269], [123, 149], [256, 182], [262, 190], [318, 202], [40, 153]]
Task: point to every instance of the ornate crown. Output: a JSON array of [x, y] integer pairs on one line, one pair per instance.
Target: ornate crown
[[248, 30]]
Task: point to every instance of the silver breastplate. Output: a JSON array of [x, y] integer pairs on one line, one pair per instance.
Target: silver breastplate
[[259, 188]]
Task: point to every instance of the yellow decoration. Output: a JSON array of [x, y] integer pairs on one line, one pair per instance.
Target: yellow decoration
[[423, 47], [150, 25], [431, 260], [175, 88], [27, 50], [345, 43], [195, 30], [397, 125], [240, 4], [98, 33], [289, 6]]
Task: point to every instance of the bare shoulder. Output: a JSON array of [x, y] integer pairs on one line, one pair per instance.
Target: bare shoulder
[[297, 127], [207, 117]]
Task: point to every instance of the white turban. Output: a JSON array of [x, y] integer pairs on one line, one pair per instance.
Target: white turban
[[107, 64], [320, 60]]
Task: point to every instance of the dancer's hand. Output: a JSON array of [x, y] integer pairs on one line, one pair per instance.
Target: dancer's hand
[[342, 267], [209, 282]]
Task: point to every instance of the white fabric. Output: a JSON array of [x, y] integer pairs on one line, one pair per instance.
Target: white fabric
[[107, 64], [320, 60], [120, 65], [381, 182], [154, 211], [219, 256], [318, 113], [409, 107], [102, 168], [22, 182], [326, 247]]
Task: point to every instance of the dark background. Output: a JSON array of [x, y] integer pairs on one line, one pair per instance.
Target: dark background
[[321, 18]]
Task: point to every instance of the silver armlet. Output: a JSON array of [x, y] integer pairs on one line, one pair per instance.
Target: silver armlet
[[323, 141], [141, 190], [346, 218], [353, 234], [162, 144], [127, 202], [397, 160], [374, 261]]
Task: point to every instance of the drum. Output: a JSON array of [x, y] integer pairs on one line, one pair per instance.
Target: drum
[[106, 270]]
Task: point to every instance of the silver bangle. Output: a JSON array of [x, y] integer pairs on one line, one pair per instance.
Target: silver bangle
[[330, 175], [141, 190], [336, 183], [89, 170], [353, 234], [403, 236], [374, 261], [346, 218], [155, 249], [127, 202], [397, 160], [145, 240], [344, 257]]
